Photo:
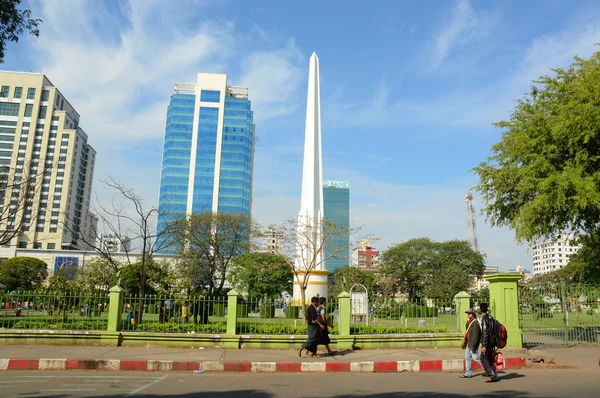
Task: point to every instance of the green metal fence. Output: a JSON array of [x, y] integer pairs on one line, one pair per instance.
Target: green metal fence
[[174, 313], [557, 314], [54, 310], [402, 315]]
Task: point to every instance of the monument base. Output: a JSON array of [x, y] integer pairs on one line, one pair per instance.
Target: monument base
[[317, 286]]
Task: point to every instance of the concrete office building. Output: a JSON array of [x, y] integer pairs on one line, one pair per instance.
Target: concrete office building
[[550, 256], [336, 204], [45, 155], [208, 150]]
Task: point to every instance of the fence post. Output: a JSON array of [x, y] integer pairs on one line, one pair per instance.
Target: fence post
[[115, 307], [504, 304], [344, 340], [232, 302], [463, 303]]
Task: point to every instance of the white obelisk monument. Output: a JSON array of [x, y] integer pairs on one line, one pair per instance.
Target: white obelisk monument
[[310, 217]]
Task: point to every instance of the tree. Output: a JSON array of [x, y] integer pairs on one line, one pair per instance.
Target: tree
[[346, 277], [543, 177], [303, 245], [13, 22], [584, 266], [23, 273], [387, 285], [208, 242], [96, 274], [260, 275], [437, 270], [61, 281], [131, 221]]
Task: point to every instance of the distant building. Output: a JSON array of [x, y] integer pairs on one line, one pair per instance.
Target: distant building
[[481, 283], [113, 243], [550, 256], [365, 257], [336, 204], [272, 241], [525, 272]]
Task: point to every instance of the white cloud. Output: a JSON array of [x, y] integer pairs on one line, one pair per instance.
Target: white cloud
[[466, 25]]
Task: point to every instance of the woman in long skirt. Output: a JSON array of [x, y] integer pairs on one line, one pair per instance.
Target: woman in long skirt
[[324, 333]]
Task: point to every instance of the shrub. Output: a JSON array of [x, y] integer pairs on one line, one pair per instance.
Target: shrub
[[394, 330], [292, 312]]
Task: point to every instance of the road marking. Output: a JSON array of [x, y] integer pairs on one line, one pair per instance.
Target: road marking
[[70, 389], [103, 381], [147, 385], [23, 381]]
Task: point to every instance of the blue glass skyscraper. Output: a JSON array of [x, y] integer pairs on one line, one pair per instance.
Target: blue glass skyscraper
[[208, 150], [336, 204]]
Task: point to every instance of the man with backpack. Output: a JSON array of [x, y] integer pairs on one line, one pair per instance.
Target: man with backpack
[[488, 344]]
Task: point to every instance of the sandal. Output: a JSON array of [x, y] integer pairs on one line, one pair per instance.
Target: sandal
[[299, 351], [491, 380], [315, 355], [465, 377]]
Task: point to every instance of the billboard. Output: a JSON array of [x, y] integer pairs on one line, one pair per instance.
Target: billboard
[[68, 264]]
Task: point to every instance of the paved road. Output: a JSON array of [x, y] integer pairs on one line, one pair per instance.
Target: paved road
[[524, 383]]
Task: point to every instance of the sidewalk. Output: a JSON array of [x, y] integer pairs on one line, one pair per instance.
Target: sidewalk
[[37, 357]]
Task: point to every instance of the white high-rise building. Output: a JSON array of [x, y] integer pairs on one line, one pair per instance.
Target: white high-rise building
[[550, 256], [46, 163], [311, 206]]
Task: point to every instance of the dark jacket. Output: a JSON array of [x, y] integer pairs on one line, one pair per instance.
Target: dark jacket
[[311, 315], [487, 331], [474, 335]]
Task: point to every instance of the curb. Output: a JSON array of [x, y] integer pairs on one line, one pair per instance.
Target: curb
[[445, 365]]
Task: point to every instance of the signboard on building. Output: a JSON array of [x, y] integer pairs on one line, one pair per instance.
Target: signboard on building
[[335, 184], [67, 264]]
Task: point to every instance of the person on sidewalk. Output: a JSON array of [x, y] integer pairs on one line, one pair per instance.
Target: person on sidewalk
[[324, 333], [488, 344], [312, 319], [473, 339]]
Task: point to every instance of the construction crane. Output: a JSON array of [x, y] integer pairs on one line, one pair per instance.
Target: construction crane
[[471, 222]]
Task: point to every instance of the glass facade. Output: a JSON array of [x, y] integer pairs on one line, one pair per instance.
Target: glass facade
[[336, 203], [176, 157], [237, 151], [233, 191]]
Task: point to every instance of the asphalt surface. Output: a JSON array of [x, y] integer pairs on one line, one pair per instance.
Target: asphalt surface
[[547, 383]]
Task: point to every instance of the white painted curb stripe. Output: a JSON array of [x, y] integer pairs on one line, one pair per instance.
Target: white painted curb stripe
[[409, 366], [453, 365], [212, 366], [4, 363], [263, 366], [313, 367], [159, 366], [108, 364], [52, 364], [364, 367]]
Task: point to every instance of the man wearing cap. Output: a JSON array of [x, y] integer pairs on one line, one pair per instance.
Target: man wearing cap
[[488, 344], [473, 338]]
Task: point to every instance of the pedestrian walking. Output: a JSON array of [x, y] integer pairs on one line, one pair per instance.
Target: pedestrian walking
[[488, 344], [324, 332], [312, 319], [185, 310], [471, 343]]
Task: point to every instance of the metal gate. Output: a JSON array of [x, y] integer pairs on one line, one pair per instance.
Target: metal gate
[[557, 314]]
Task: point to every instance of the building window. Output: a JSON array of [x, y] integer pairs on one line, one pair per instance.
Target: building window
[[31, 93], [62, 103], [43, 110], [28, 110], [37, 245], [45, 95], [51, 246], [8, 109], [18, 92], [22, 245], [210, 96], [4, 91]]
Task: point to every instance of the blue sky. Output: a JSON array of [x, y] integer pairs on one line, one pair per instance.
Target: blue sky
[[409, 92]]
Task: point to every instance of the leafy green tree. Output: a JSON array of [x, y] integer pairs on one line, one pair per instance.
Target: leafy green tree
[[96, 274], [158, 278], [62, 281], [13, 22], [584, 266], [425, 268], [208, 242], [543, 177], [260, 274], [346, 277], [23, 273]]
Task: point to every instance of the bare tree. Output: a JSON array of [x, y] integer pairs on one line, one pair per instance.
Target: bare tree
[[208, 242], [130, 220], [307, 245], [20, 203]]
